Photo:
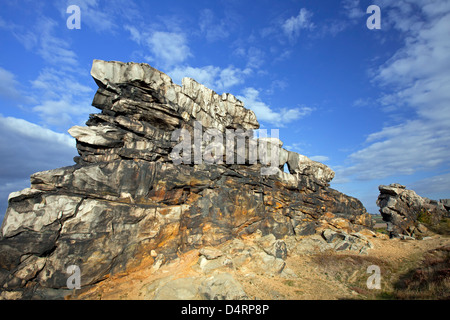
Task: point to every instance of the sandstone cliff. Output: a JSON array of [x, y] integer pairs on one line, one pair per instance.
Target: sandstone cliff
[[131, 200]]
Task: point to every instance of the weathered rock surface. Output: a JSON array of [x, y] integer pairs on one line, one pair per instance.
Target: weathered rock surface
[[126, 201], [404, 210], [446, 204]]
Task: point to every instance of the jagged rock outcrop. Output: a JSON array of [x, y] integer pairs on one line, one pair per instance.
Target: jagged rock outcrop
[[139, 193], [446, 204], [404, 210]]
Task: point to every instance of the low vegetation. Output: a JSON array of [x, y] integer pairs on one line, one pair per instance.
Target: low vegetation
[[442, 228], [418, 274]]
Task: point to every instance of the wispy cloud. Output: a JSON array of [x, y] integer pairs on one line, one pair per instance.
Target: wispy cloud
[[214, 29], [54, 50], [417, 79], [166, 48], [213, 77], [253, 55], [45, 149], [169, 48], [26, 148], [103, 16], [352, 9], [320, 158], [62, 100], [9, 87], [42, 40], [293, 26], [433, 185], [267, 114]]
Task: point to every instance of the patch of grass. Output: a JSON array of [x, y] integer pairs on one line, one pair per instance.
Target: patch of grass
[[382, 230], [442, 228], [429, 281], [385, 296], [289, 283], [417, 277], [351, 270], [424, 217]]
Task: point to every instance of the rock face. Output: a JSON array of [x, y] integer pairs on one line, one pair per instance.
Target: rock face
[[404, 210], [446, 204], [132, 198]]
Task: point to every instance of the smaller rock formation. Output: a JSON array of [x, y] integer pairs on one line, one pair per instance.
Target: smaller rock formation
[[405, 211], [446, 204]]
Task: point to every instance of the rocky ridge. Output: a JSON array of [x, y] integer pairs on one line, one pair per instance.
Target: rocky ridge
[[403, 210], [126, 203]]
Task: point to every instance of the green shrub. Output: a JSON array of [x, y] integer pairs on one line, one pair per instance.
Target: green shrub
[[424, 217]]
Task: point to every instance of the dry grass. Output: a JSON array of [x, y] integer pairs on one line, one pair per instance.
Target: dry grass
[[409, 270], [442, 228], [431, 280]]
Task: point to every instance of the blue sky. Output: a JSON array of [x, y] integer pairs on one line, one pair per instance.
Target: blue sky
[[374, 105]]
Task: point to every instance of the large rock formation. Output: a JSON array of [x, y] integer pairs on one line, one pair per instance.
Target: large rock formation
[[132, 197], [404, 210]]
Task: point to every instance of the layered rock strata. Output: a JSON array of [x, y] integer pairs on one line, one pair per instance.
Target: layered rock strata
[[127, 201], [405, 212]]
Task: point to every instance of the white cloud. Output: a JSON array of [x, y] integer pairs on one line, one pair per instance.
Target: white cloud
[[254, 56], [57, 94], [9, 84], [55, 83], [42, 40], [433, 185], [135, 33], [64, 112], [299, 147], [212, 77], [63, 100], [320, 158], [168, 48], [293, 26], [22, 129], [417, 79], [231, 76], [265, 113], [352, 9], [26, 148], [277, 86], [214, 29], [52, 49], [401, 150], [99, 18], [205, 75]]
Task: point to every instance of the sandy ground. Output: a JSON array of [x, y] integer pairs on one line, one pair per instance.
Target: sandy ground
[[323, 276]]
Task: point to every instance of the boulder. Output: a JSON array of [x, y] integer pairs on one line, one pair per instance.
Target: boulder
[[404, 210], [446, 204], [222, 286]]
